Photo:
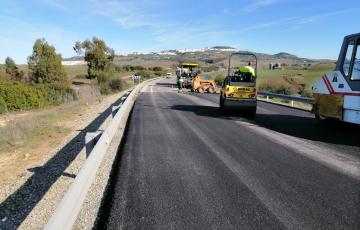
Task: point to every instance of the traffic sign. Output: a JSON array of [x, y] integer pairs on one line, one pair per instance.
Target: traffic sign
[[135, 77]]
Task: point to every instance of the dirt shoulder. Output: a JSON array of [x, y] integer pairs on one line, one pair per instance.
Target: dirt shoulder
[[29, 139]]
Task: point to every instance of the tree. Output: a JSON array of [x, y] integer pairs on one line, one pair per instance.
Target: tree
[[99, 58], [12, 70], [156, 68], [10, 66], [45, 64]]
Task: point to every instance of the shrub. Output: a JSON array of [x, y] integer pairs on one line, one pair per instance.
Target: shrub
[[81, 76], [156, 68], [296, 82], [211, 68], [277, 86], [139, 67], [219, 79], [102, 76], [57, 93], [144, 74], [12, 70], [306, 93], [118, 68], [128, 68], [105, 89], [160, 73], [19, 96], [3, 108], [116, 85]]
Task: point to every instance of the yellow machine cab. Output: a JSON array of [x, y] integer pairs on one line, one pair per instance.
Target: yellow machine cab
[[185, 73]]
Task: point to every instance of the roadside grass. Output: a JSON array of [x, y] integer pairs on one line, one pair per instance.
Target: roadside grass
[[32, 129], [76, 71], [297, 105], [308, 76], [26, 129]]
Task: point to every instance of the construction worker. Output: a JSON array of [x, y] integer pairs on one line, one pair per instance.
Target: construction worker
[[180, 84], [247, 69]]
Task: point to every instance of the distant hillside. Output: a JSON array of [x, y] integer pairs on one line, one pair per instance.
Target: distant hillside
[[223, 47], [285, 55], [75, 58], [217, 55]]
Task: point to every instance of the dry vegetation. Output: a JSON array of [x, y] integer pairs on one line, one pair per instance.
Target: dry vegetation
[[287, 80]]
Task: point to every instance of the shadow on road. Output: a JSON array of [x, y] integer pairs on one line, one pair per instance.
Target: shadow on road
[[18, 205], [168, 85], [298, 126]]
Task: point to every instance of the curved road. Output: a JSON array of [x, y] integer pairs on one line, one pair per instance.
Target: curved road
[[185, 166]]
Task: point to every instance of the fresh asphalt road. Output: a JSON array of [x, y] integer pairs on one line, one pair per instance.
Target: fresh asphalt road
[[183, 165]]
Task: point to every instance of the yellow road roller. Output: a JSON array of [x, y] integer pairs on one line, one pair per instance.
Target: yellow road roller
[[238, 92]]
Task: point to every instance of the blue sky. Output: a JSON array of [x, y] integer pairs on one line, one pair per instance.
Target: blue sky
[[307, 28]]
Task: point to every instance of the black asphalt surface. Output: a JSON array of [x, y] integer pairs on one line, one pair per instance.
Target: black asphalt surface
[[183, 165]]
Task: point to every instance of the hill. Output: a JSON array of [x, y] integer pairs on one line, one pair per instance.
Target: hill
[[217, 55]]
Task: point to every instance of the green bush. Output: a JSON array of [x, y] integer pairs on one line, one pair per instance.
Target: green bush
[[219, 79], [139, 67], [3, 108], [144, 74], [57, 93], [210, 68], [156, 68], [277, 86], [118, 68], [105, 89], [160, 73], [116, 85], [128, 68], [81, 76], [306, 93], [19, 96]]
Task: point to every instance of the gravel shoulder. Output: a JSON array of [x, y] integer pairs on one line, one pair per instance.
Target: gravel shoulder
[[35, 178]]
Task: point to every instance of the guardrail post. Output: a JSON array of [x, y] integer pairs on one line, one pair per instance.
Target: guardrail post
[[292, 103], [114, 109], [90, 141]]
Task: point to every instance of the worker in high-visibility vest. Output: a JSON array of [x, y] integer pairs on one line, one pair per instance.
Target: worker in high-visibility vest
[[247, 69]]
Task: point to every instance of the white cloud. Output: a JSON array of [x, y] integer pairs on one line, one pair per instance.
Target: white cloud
[[257, 4], [301, 22], [128, 14], [56, 4], [295, 23]]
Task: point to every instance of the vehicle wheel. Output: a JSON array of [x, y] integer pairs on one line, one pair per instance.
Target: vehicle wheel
[[223, 108], [320, 118], [211, 90], [326, 120], [252, 112], [200, 90], [221, 104]]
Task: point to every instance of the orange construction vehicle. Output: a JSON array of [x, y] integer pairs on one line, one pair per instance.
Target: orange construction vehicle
[[199, 85]]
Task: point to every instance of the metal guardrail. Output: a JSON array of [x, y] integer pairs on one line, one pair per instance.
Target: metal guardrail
[[292, 99], [69, 207]]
